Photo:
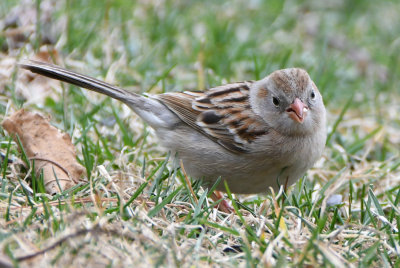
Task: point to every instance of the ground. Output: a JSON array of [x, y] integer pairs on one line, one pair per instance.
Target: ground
[[133, 207]]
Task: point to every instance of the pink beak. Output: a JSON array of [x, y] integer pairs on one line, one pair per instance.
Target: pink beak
[[297, 111]]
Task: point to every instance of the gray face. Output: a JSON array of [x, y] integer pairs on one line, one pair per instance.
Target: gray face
[[289, 102]]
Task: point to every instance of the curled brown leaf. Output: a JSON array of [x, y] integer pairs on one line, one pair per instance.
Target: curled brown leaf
[[51, 149]]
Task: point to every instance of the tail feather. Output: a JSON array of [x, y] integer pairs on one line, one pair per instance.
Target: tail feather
[[80, 80], [155, 113]]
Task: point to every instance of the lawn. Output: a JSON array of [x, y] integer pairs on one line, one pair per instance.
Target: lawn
[[133, 208]]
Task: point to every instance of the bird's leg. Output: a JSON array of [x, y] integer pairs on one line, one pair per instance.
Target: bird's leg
[[224, 205], [286, 184], [285, 190]]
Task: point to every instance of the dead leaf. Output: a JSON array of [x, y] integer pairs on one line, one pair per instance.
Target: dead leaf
[[32, 88], [35, 88], [51, 149], [19, 25]]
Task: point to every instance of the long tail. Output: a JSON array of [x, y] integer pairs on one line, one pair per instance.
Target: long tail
[[79, 80], [150, 110]]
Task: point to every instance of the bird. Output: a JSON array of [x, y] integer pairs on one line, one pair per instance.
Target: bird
[[252, 135]]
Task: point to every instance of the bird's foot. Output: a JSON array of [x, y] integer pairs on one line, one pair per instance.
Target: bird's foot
[[224, 205]]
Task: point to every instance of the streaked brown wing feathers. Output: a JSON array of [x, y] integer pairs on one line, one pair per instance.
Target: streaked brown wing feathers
[[223, 114], [181, 105]]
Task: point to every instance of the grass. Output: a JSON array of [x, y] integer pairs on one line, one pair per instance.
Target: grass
[[134, 208]]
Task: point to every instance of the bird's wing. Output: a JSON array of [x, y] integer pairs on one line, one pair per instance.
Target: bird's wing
[[223, 114]]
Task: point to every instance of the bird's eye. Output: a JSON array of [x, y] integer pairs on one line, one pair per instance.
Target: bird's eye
[[275, 101], [312, 94]]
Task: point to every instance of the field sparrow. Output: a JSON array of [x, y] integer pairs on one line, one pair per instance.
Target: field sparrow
[[252, 134]]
